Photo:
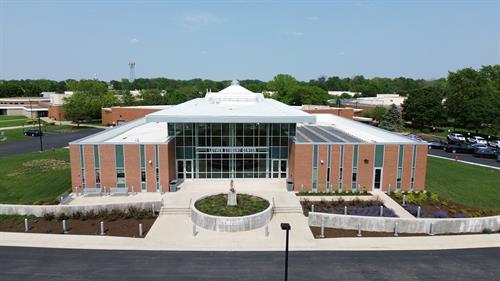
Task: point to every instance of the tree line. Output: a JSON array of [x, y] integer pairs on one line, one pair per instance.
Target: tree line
[[467, 98]]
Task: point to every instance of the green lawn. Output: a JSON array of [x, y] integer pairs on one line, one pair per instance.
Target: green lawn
[[11, 121], [38, 177], [467, 184], [17, 134]]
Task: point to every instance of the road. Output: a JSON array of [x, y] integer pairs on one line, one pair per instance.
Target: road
[[464, 157], [50, 140], [62, 264]]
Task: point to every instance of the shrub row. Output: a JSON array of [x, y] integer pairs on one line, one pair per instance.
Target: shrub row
[[110, 215]]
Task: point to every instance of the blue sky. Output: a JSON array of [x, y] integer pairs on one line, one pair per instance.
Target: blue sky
[[245, 40]]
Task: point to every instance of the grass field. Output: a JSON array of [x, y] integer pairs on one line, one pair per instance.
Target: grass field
[[11, 121], [17, 134], [38, 177], [467, 184]]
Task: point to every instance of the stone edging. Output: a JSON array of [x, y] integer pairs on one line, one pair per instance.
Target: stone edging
[[230, 224], [383, 224], [40, 210]]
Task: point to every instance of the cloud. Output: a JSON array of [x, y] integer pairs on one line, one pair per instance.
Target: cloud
[[134, 41], [313, 18], [296, 33], [200, 19]]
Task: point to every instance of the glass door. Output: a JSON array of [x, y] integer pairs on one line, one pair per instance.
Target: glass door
[[279, 168], [180, 169], [377, 178], [188, 172]]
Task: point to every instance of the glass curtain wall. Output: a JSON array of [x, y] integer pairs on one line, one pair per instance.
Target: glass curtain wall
[[223, 150]]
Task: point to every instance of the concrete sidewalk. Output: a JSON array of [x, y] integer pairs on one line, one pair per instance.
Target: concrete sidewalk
[[390, 203]]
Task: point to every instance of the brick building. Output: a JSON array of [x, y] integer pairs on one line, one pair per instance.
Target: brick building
[[236, 133]]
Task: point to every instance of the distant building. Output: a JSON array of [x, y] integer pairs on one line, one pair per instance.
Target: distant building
[[385, 100], [31, 107], [56, 110], [339, 93]]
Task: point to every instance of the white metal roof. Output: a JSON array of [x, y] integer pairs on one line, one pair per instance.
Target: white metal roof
[[156, 132], [234, 104], [360, 130]]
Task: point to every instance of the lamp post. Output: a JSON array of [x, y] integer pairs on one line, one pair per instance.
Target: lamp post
[[286, 227], [40, 133]]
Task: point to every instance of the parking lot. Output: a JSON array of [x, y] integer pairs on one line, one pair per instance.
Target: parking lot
[[464, 157], [50, 140]]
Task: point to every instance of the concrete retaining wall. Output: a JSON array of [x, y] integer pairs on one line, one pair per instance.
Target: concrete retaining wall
[[337, 198], [230, 224], [436, 226], [40, 210]]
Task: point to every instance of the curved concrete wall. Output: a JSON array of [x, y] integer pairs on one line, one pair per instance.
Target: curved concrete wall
[[230, 224], [40, 210], [439, 226]]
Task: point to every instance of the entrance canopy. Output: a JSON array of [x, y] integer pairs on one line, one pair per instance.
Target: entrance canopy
[[233, 104]]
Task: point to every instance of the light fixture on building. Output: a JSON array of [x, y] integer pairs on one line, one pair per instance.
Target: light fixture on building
[[366, 161]]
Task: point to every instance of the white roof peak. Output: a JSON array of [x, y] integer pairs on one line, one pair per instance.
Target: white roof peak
[[235, 82]]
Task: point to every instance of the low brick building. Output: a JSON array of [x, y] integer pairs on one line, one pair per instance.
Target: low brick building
[[236, 133]]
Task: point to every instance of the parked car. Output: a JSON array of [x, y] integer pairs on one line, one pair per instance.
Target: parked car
[[494, 143], [437, 144], [33, 133], [485, 153], [459, 147], [477, 139], [498, 158], [479, 145], [455, 137]]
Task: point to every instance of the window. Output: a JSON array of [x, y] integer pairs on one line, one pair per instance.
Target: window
[[120, 166], [315, 169], [120, 177], [354, 185]]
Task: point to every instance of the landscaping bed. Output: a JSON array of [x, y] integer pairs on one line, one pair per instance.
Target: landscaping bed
[[116, 223], [354, 207], [334, 193], [216, 205], [434, 206], [339, 233]]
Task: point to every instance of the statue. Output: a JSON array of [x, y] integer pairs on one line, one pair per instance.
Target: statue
[[231, 196]]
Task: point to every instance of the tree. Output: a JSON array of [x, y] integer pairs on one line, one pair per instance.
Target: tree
[[92, 87], [281, 85], [300, 95], [472, 96], [80, 107], [423, 107], [377, 112], [153, 97], [128, 99], [392, 120]]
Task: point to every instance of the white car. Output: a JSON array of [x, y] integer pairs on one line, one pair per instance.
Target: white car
[[477, 139], [494, 143], [455, 137]]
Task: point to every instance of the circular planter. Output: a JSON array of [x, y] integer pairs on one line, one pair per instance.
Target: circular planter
[[230, 224]]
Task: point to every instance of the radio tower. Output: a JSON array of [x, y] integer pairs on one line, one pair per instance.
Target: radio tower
[[131, 66]]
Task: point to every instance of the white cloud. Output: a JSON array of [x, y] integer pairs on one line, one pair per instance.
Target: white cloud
[[200, 19], [296, 33], [134, 41]]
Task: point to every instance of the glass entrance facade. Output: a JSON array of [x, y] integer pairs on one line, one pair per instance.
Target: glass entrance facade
[[224, 150]]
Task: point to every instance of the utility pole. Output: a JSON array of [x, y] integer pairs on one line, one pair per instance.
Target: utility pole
[[40, 133]]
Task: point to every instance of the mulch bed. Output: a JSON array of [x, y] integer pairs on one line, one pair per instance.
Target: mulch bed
[[444, 208], [338, 233], [119, 227]]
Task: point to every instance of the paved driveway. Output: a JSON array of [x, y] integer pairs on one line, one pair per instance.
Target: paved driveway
[[50, 140], [56, 264], [465, 157]]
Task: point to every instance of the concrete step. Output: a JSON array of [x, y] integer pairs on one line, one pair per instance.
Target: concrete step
[[175, 211], [288, 210]]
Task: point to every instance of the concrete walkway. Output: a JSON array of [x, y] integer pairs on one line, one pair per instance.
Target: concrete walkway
[[389, 203], [173, 230]]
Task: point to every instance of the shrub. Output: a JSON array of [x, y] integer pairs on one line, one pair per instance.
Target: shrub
[[76, 215], [398, 195], [62, 216], [421, 198], [413, 209], [434, 198], [441, 214], [49, 216], [460, 216], [410, 198], [487, 231]]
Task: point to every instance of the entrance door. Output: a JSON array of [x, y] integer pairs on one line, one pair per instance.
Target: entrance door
[[377, 178], [184, 169], [279, 168]]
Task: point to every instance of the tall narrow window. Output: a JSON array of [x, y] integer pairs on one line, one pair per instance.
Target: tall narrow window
[[341, 169], [413, 164], [355, 167], [143, 167], [400, 167], [157, 159], [315, 169], [82, 165], [328, 169], [97, 166], [120, 166]]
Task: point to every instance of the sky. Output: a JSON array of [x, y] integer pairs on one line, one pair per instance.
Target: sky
[[225, 40]]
